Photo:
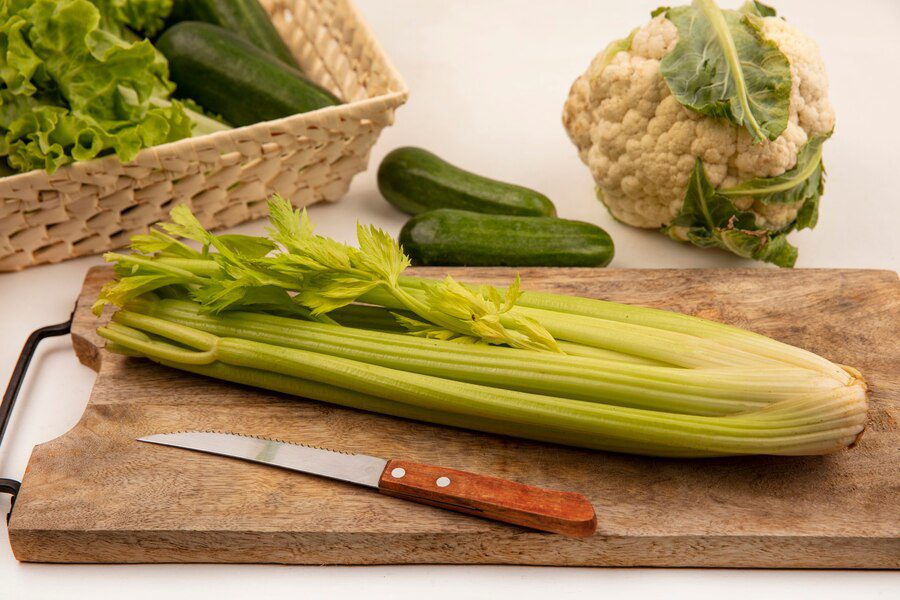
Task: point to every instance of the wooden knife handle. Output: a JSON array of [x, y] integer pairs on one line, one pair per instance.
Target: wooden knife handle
[[566, 513]]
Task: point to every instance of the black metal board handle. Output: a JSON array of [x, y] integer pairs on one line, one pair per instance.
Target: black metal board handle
[[11, 486]]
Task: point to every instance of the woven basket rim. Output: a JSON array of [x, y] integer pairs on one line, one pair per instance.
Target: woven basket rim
[[173, 149], [393, 98]]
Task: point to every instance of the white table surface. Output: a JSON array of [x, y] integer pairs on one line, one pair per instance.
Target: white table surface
[[487, 82]]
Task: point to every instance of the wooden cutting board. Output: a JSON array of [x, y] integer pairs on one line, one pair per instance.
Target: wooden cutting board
[[96, 495]]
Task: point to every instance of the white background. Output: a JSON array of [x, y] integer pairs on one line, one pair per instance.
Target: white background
[[488, 80]]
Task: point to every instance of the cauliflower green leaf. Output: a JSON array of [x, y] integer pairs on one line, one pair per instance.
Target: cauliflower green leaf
[[804, 182], [754, 7], [723, 67], [614, 47], [709, 219]]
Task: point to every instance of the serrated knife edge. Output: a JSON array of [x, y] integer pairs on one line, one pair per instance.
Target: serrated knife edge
[[344, 466]]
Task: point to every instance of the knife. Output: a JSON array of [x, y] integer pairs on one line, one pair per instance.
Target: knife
[[566, 513]]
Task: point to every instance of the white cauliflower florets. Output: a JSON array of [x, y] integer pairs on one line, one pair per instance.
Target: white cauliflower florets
[[641, 144]]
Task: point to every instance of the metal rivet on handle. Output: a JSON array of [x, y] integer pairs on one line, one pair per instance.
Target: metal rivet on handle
[[398, 472], [442, 481]]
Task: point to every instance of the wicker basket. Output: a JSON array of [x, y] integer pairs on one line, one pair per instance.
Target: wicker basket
[[89, 207]]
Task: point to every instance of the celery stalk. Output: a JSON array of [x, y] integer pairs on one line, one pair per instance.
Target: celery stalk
[[720, 391], [552, 368], [778, 432]]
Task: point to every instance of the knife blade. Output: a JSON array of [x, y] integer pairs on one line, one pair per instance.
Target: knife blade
[[566, 513]]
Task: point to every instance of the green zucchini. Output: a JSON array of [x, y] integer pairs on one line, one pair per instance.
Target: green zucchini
[[457, 237], [229, 77], [415, 180], [245, 18]]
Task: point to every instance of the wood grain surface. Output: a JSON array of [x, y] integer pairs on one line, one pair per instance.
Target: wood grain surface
[[96, 495]]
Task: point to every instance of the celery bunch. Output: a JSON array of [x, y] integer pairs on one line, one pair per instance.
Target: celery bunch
[[303, 314]]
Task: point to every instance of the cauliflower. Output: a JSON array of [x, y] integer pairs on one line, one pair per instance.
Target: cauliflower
[[645, 148]]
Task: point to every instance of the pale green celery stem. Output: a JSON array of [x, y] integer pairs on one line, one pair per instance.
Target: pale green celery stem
[[378, 318], [671, 321], [659, 345], [677, 390], [612, 388], [676, 348], [197, 266], [188, 336], [413, 299], [574, 349], [631, 345], [734, 337], [480, 401], [129, 331], [203, 125], [726, 335], [335, 395], [163, 351], [171, 309], [611, 311], [781, 375], [734, 434], [154, 265], [722, 434]]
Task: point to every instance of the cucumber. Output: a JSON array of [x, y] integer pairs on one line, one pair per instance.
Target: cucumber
[[457, 237], [245, 18], [228, 76], [415, 180]]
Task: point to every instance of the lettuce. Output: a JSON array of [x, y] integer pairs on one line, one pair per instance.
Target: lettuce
[[144, 16], [76, 82]]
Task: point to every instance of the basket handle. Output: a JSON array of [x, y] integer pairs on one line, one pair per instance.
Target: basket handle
[[11, 486]]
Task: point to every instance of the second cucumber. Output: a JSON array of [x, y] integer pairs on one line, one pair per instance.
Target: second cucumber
[[247, 18], [458, 237], [415, 180], [228, 76]]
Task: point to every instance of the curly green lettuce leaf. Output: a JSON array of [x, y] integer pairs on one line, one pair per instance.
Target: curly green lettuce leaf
[[723, 67], [143, 16], [97, 74], [708, 219], [72, 90], [41, 135]]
